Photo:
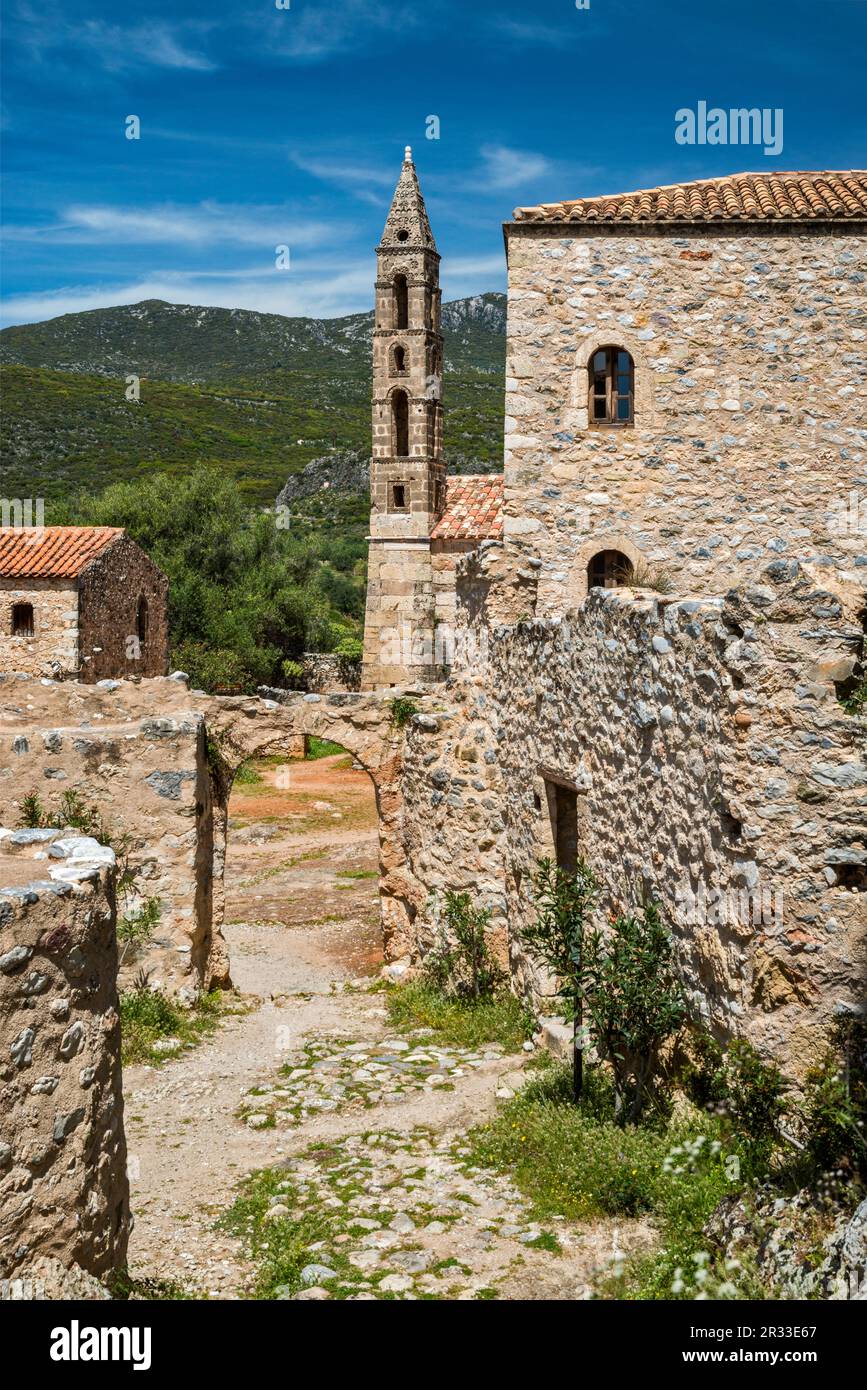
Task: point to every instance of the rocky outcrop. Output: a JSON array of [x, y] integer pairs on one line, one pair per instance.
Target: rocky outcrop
[[804, 1246], [345, 470]]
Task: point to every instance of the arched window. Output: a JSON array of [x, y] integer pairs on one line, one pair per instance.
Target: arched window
[[141, 621], [400, 302], [608, 569], [22, 620], [612, 387], [398, 359], [400, 424]]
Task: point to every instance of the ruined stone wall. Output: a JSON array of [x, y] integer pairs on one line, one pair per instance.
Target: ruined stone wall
[[156, 762], [137, 754], [325, 672], [63, 1186], [444, 560], [110, 588], [713, 769], [750, 381], [53, 648]]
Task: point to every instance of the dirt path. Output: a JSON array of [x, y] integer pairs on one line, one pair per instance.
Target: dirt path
[[303, 937]]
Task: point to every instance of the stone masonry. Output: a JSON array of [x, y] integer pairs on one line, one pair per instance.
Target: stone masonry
[[750, 380], [63, 1185], [96, 605]]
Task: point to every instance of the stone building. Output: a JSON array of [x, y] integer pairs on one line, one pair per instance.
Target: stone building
[[82, 602], [686, 383], [420, 520]]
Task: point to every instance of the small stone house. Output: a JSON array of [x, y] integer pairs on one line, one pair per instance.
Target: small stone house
[[80, 602]]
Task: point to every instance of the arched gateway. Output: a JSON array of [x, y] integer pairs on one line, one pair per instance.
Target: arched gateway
[[239, 728]]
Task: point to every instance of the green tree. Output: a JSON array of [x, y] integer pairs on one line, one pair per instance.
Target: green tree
[[245, 596]]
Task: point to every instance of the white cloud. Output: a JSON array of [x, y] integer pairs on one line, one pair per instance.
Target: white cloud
[[321, 31], [318, 288], [203, 224], [504, 168], [115, 46], [345, 289]]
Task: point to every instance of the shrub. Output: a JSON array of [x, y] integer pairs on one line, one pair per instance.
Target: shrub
[[402, 711], [293, 673], [564, 902], [462, 964], [33, 814], [755, 1103], [634, 1004], [702, 1070], [350, 648], [834, 1108], [136, 927]]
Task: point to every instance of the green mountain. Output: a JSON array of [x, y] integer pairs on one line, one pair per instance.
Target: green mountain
[[192, 344], [258, 395]]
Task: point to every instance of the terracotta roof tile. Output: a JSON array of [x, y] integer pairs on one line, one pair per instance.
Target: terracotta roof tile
[[796, 197], [55, 552], [473, 510]]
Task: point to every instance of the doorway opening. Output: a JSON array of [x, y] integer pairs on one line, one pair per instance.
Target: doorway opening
[[563, 812], [302, 866]]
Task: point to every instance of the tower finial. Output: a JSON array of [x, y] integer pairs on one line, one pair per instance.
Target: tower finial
[[407, 155]]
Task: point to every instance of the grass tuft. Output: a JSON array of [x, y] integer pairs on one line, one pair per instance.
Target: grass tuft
[[462, 1022], [148, 1016]]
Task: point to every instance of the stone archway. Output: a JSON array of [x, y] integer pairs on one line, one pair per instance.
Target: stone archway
[[237, 729]]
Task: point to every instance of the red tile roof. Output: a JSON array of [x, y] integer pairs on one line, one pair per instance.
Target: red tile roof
[[795, 197], [55, 552], [473, 510]]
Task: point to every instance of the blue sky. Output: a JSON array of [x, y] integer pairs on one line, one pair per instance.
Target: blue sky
[[263, 126]]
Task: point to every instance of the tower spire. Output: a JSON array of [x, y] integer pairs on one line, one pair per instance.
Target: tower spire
[[407, 224]]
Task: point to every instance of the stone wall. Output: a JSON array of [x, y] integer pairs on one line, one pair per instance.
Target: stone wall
[[137, 754], [157, 762], [712, 767], [750, 379], [63, 1186], [110, 589], [325, 672], [53, 648]]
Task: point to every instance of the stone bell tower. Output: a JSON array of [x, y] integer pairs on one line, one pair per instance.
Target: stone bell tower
[[407, 473]]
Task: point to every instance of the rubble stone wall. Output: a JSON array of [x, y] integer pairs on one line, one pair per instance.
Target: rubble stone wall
[[156, 762], [137, 755], [713, 769], [750, 377], [53, 648], [63, 1185]]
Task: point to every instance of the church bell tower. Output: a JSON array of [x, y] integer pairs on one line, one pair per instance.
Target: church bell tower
[[407, 472]]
